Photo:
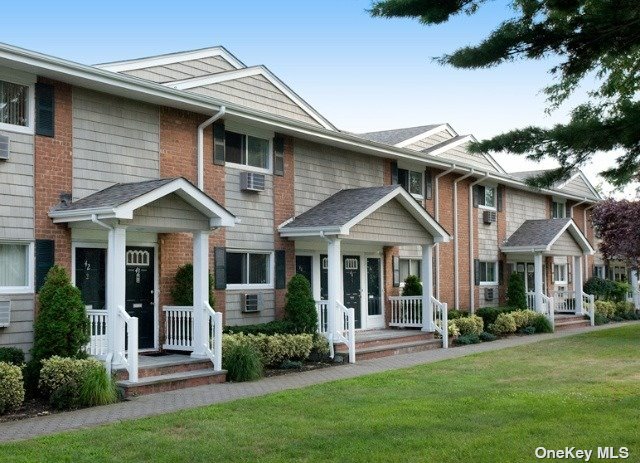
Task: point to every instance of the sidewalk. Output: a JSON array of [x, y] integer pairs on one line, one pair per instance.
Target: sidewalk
[[165, 402]]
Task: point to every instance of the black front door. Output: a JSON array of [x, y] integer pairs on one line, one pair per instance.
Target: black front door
[[373, 286], [351, 275], [304, 267], [91, 267], [139, 293], [324, 277]]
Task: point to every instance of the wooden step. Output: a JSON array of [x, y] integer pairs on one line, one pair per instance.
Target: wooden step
[[172, 381], [408, 337], [572, 323], [386, 350], [167, 367]]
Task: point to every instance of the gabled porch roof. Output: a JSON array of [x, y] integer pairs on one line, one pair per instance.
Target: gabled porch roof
[[122, 199], [541, 235], [340, 213]]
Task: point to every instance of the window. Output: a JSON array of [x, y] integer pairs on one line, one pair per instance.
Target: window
[[620, 274], [15, 274], [486, 196], [599, 272], [247, 150], [409, 267], [249, 268], [412, 181], [560, 273], [14, 104], [488, 273], [559, 210]]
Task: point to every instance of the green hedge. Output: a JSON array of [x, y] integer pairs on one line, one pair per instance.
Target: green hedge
[[11, 387], [490, 314], [469, 325], [270, 328], [12, 355], [273, 349]]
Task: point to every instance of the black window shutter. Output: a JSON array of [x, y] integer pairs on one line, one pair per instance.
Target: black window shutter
[[476, 271], [45, 259], [403, 178], [608, 274], [428, 184], [394, 173], [278, 155], [476, 195], [45, 110], [220, 262], [501, 270], [396, 271], [500, 193], [218, 143], [281, 270]]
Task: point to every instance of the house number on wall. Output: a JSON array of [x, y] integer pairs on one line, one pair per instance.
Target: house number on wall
[[137, 270], [87, 269]]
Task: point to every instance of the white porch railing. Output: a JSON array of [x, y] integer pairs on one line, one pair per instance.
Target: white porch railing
[[213, 344], [98, 342], [589, 307], [565, 301], [321, 310], [346, 329], [548, 309], [441, 320], [406, 311], [130, 358], [178, 327], [531, 300]]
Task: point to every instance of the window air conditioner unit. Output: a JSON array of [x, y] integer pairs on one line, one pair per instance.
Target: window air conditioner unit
[[4, 148], [489, 294], [251, 181], [251, 302], [5, 313], [489, 217]]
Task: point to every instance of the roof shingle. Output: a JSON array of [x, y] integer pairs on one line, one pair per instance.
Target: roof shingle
[[395, 136], [536, 232]]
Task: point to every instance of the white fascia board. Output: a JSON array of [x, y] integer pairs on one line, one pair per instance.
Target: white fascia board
[[577, 235], [584, 179], [311, 231], [194, 82], [451, 145], [172, 58], [523, 249], [423, 135]]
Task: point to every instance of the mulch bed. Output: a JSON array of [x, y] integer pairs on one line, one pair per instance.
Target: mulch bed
[[29, 409], [269, 372]]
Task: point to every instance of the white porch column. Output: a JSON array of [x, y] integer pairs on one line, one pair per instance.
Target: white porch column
[[634, 289], [334, 283], [200, 292], [537, 268], [116, 291], [427, 287], [577, 283]]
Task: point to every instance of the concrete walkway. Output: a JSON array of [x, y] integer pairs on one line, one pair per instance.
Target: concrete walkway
[[165, 402]]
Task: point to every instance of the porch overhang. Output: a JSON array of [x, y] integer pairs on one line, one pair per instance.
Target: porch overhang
[[120, 201], [339, 214], [540, 236]]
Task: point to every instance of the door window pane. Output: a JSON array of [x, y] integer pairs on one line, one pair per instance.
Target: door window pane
[[14, 264]]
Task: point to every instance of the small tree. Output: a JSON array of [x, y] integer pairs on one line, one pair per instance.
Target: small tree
[[516, 292], [412, 286], [300, 308], [182, 291], [62, 327]]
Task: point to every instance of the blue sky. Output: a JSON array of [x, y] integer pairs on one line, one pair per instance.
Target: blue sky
[[362, 73]]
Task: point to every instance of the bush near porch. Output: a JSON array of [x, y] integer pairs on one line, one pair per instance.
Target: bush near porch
[[11, 387]]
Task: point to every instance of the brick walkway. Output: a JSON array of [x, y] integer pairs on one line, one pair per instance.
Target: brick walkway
[[171, 401]]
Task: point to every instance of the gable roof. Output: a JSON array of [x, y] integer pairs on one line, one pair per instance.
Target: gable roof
[[540, 235], [577, 184], [396, 136], [119, 201], [442, 148], [346, 208], [202, 81]]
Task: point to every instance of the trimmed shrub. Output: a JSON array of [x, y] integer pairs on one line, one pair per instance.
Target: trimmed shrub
[[524, 318], [454, 314], [620, 291], [516, 292], [62, 327], [625, 310], [182, 291], [485, 336], [599, 287], [605, 309], [66, 374], [599, 319], [242, 362], [504, 325], [453, 328], [412, 286], [489, 314], [320, 349], [97, 387], [300, 308], [528, 330], [467, 339], [541, 324], [12, 355], [273, 349], [272, 327], [469, 325], [11, 387]]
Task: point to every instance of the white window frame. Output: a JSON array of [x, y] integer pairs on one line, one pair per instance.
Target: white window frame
[[31, 265], [251, 286], [410, 259], [416, 169], [599, 272], [495, 199], [495, 273], [558, 201], [256, 133], [28, 80], [565, 274]]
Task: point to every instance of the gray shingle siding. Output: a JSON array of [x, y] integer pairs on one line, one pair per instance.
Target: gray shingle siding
[[17, 188], [395, 136], [182, 70], [19, 333]]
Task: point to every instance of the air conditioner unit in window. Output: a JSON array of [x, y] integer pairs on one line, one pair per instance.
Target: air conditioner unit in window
[[489, 294], [489, 217], [251, 302], [5, 313], [251, 181], [4, 148]]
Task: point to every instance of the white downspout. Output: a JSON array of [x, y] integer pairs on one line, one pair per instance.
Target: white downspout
[[456, 273], [94, 219], [201, 128], [571, 211], [585, 268], [471, 269], [436, 211]]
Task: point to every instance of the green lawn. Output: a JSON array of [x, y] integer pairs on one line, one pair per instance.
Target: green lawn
[[581, 391]]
